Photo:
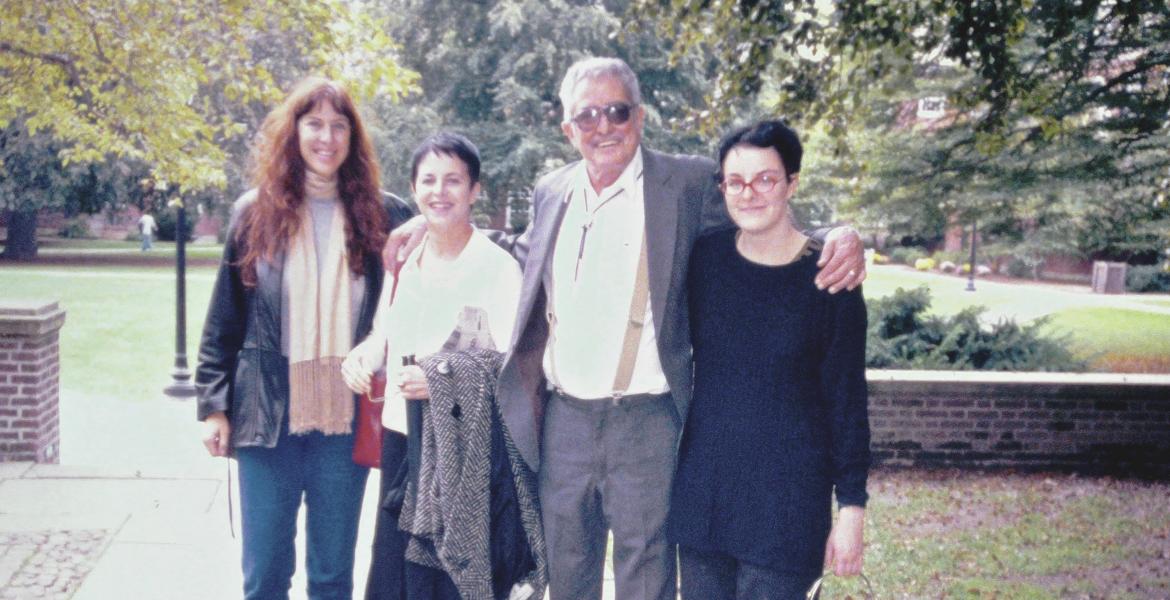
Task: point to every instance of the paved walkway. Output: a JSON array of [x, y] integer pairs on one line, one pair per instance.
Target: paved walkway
[[132, 511], [136, 509]]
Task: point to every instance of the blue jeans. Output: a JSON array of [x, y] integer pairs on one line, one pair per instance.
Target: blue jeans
[[320, 469], [147, 240]]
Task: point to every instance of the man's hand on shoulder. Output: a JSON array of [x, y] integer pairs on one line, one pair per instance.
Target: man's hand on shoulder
[[842, 260], [405, 238]]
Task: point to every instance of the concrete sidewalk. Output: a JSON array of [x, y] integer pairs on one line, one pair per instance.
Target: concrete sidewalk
[[136, 509]]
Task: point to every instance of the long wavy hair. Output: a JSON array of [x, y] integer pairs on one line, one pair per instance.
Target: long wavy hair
[[278, 172]]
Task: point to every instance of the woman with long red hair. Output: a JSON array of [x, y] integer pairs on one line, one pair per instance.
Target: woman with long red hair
[[298, 283]]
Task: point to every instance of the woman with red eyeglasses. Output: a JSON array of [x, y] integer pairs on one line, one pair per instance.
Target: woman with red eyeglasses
[[778, 422]]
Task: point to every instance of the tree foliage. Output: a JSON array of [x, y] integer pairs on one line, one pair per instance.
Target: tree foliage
[[492, 70], [1057, 110], [147, 80]]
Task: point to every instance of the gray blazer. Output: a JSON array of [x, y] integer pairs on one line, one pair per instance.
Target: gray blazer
[[682, 201]]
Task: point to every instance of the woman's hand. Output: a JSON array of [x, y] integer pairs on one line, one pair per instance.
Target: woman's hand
[[354, 371], [843, 553], [402, 240], [842, 260], [412, 382], [217, 434]]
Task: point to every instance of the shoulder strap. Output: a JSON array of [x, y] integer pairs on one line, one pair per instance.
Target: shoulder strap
[[637, 322]]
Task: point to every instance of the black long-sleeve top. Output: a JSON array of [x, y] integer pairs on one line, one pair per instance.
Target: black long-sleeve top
[[779, 419]]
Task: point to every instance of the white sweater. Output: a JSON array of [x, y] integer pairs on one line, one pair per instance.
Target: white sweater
[[427, 305]]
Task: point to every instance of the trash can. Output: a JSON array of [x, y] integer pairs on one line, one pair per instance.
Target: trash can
[[1108, 277]]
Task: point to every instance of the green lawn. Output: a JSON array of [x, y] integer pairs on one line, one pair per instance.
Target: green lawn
[[57, 248], [1127, 340], [957, 534], [131, 250], [119, 332]]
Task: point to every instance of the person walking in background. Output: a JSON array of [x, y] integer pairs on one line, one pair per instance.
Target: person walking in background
[[297, 285], [147, 227], [456, 291], [778, 419]]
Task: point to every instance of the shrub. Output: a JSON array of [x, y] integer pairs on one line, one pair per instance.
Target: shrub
[[880, 259], [1147, 278], [168, 221], [924, 264], [1017, 267], [902, 336], [76, 228], [906, 255], [947, 267], [952, 256]]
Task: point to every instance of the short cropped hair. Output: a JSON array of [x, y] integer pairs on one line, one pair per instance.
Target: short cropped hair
[[774, 134], [451, 144], [593, 68]]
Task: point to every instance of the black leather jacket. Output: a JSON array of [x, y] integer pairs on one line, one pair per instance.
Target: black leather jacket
[[241, 369]]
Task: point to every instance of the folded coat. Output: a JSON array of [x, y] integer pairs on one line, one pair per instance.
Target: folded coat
[[471, 507]]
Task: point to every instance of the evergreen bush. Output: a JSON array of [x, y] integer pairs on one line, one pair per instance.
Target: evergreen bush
[[168, 222], [952, 256], [902, 336], [1147, 278], [906, 255], [76, 228]]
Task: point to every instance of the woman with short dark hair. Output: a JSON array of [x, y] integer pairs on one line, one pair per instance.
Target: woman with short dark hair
[[454, 302], [778, 421]]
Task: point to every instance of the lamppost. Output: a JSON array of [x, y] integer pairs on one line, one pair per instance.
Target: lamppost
[[181, 386], [971, 272]]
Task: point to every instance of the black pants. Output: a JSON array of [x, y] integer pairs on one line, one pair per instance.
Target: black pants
[[386, 580], [717, 576], [392, 577]]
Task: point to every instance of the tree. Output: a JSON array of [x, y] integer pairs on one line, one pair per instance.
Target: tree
[[149, 81], [492, 70], [1045, 95]]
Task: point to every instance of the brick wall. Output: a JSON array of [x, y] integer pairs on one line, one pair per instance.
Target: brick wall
[[29, 366], [1093, 423]]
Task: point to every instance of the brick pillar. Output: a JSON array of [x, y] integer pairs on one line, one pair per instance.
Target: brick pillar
[[29, 364]]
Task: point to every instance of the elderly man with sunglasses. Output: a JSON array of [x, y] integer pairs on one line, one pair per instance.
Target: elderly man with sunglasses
[[598, 378]]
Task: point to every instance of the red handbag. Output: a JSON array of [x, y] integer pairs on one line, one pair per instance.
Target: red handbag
[[367, 435]]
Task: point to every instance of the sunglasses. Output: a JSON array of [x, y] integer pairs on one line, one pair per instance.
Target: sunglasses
[[590, 117]]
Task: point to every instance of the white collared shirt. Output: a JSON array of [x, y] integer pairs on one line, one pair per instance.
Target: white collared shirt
[[427, 305], [593, 268]]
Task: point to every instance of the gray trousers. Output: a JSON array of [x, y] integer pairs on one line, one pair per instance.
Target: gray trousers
[[608, 467]]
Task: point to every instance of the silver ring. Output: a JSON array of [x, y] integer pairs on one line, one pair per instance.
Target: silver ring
[[852, 272]]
